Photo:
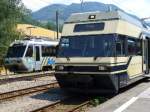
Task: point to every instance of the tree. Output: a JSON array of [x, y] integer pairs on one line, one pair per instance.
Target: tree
[[11, 12], [27, 19], [50, 26]]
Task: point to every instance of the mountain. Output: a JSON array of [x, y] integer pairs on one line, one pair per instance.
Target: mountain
[[48, 13]]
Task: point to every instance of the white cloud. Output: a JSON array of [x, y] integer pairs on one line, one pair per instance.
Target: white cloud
[[140, 8], [35, 5], [66, 1]]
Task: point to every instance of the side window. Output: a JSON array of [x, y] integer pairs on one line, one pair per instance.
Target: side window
[[120, 46], [139, 47], [29, 52], [44, 51], [48, 51], [52, 51], [131, 46]]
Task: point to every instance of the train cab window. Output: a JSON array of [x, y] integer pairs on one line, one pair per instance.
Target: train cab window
[[120, 46], [29, 52], [16, 51], [107, 46], [131, 46]]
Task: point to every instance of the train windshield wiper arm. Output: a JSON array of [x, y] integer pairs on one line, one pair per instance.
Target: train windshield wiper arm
[[68, 59], [95, 58]]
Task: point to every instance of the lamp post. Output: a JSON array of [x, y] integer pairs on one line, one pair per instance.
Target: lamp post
[[57, 23]]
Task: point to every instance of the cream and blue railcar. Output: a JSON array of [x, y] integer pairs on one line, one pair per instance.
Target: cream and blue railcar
[[101, 52], [31, 55]]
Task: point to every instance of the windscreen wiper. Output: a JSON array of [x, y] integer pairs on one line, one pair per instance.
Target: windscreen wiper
[[95, 58], [68, 59]]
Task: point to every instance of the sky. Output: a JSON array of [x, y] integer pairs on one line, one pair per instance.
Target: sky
[[140, 8]]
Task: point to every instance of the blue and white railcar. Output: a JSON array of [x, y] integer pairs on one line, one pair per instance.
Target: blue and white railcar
[[29, 55]]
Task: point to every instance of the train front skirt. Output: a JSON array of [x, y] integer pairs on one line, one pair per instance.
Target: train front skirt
[[93, 83]]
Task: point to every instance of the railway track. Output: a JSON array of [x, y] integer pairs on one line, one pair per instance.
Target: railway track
[[20, 77], [26, 91], [71, 104]]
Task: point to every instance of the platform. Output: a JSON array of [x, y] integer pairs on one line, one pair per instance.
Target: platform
[[134, 99], [140, 103]]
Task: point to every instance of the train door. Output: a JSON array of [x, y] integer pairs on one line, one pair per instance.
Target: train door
[[148, 50], [29, 58], [145, 53], [37, 58]]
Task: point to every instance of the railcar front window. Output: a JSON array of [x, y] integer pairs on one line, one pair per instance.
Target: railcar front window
[[87, 46], [16, 51], [120, 45], [29, 52]]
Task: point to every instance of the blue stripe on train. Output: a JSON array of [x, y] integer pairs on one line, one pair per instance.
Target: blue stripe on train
[[51, 61]]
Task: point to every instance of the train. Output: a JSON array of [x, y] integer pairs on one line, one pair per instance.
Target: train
[[31, 54], [102, 52]]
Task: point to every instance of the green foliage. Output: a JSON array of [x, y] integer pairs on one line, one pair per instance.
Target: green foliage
[[97, 101], [27, 19], [11, 13], [52, 26]]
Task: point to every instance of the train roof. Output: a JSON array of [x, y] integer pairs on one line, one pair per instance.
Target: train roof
[[96, 16], [37, 41]]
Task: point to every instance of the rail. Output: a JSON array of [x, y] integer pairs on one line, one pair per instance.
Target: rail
[[20, 77], [66, 104], [22, 92]]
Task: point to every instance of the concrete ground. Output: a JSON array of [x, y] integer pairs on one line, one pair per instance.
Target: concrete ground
[[135, 98]]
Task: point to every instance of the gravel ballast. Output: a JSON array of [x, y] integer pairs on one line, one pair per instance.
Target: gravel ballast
[[32, 102], [26, 84]]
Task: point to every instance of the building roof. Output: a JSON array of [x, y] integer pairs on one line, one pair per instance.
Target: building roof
[[35, 31]]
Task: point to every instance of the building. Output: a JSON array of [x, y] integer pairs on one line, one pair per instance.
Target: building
[[36, 31]]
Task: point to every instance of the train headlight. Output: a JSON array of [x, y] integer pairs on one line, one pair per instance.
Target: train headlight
[[59, 67], [102, 68]]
